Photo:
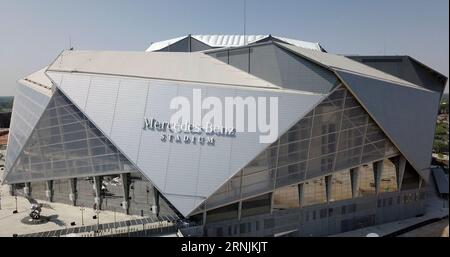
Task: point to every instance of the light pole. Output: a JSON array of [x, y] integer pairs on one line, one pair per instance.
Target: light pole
[[98, 218], [16, 202], [82, 218], [115, 228]]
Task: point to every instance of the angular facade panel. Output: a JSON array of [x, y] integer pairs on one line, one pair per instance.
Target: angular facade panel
[[128, 112], [75, 85], [172, 168], [29, 104], [154, 159], [101, 101], [280, 67], [65, 144], [406, 68], [301, 74], [407, 115], [337, 135]]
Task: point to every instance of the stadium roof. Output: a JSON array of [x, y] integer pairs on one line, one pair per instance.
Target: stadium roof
[[338, 62], [39, 81], [176, 66], [216, 41]]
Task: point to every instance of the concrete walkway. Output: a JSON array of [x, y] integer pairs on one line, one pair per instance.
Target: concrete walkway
[[62, 215]]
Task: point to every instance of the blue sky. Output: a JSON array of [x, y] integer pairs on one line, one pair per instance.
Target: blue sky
[[33, 33]]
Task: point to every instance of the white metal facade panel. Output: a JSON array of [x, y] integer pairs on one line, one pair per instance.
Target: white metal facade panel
[[184, 204], [128, 116], [182, 169], [210, 156], [184, 173], [100, 102], [40, 79], [76, 85], [55, 77], [153, 156]]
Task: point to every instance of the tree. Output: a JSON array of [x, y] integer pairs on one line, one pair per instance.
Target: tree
[[440, 144], [443, 108]]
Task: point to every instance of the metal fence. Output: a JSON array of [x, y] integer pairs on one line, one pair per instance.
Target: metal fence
[[136, 227]]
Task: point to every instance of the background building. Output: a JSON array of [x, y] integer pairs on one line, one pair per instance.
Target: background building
[[354, 150]]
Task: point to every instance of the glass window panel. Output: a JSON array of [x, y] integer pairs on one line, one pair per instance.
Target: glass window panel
[[230, 191], [348, 158], [341, 188], [75, 136], [328, 107], [223, 213], [255, 206], [371, 152], [61, 191], [320, 166], [286, 198], [326, 123], [257, 182], [390, 149], [290, 174], [388, 177], [266, 160], [323, 145], [350, 138], [350, 101], [366, 181], [338, 94], [314, 192]]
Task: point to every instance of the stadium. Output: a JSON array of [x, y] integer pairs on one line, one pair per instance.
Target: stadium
[[353, 145]]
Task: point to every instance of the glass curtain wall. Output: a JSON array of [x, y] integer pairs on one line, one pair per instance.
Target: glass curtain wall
[[66, 144], [337, 135]]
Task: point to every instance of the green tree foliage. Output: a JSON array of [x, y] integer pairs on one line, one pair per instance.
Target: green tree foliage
[[440, 144], [443, 108]]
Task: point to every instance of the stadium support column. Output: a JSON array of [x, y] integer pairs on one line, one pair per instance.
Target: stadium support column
[[240, 209], [27, 189], [155, 207], [400, 165], [377, 173], [126, 191], [98, 188], [421, 182], [354, 173], [49, 191], [73, 191], [300, 195], [328, 187], [12, 190], [204, 217]]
